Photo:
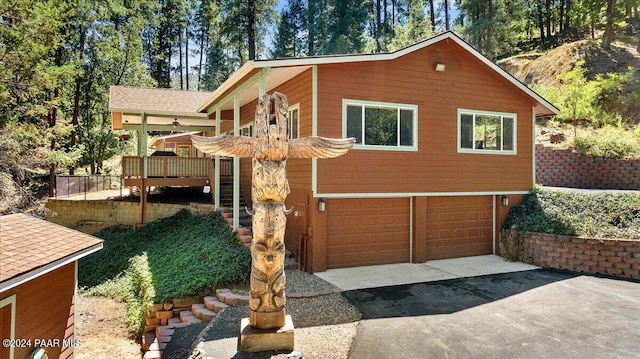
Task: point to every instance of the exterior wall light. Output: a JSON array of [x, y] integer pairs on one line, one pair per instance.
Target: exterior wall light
[[322, 205], [505, 200], [440, 67]]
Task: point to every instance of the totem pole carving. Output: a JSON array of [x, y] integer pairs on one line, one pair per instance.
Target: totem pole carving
[[270, 147]]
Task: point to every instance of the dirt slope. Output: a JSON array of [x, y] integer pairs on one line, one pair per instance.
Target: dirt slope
[[543, 69]]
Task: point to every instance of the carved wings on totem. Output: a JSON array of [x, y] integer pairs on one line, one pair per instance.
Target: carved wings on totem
[[242, 146]]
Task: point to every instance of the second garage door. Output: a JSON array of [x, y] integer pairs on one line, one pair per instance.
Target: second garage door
[[367, 231], [459, 226]]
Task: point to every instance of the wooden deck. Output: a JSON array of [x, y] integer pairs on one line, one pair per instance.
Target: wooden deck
[[171, 170]]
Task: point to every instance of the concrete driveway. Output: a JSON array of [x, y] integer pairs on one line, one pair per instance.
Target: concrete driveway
[[537, 313]]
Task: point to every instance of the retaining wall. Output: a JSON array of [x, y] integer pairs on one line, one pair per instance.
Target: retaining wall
[[565, 168], [617, 257], [91, 216]]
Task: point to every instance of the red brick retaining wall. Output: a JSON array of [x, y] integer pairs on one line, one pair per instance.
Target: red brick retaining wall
[[565, 168], [617, 257]]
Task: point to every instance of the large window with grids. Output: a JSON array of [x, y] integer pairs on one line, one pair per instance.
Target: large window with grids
[[381, 125], [486, 132]]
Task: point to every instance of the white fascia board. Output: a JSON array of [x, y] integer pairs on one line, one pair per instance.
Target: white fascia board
[[155, 113], [228, 84], [37, 272]]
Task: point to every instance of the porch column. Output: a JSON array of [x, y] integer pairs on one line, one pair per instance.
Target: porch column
[[143, 144], [216, 168], [143, 152], [236, 164]]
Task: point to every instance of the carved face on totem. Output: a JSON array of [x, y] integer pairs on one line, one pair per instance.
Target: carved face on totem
[[269, 224]]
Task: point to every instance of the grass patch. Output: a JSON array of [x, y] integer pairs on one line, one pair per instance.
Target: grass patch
[[179, 256], [598, 214]]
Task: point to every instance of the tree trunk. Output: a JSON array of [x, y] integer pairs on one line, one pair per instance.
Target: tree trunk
[[608, 29], [567, 15], [76, 97], [251, 29], [561, 16], [432, 15], [186, 55], [548, 17], [377, 32], [446, 15], [541, 23], [180, 57]]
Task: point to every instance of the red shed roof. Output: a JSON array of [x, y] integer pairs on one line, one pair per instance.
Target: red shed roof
[[31, 247]]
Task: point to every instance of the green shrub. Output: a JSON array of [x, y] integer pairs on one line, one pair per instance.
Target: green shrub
[[591, 214], [176, 257], [607, 142]]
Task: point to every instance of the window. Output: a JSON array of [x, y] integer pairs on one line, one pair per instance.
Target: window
[[378, 125], [246, 130], [294, 122], [183, 150], [486, 132]]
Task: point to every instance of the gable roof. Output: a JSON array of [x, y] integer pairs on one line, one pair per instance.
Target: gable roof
[[32, 247], [282, 70], [154, 100]]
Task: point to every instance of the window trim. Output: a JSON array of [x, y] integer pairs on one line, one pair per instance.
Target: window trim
[[489, 113], [291, 108], [379, 104]]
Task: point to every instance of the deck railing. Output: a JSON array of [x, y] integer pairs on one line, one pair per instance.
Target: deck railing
[[172, 166]]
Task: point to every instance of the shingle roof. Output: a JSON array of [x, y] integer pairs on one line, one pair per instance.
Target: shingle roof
[[155, 99], [30, 247]]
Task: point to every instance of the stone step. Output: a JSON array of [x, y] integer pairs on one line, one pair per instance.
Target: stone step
[[230, 298], [164, 330], [213, 304], [201, 312], [246, 239], [153, 354]]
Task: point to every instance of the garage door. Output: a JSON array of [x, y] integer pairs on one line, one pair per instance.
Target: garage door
[[459, 226], [367, 232]]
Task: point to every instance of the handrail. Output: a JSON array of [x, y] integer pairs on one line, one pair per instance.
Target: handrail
[[172, 166]]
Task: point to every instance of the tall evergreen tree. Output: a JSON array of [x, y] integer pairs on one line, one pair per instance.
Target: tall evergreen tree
[[346, 27]]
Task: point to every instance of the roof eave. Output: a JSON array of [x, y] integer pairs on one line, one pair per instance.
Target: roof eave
[[227, 85], [47, 268]]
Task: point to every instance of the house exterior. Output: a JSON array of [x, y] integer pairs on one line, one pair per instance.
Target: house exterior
[[178, 143], [38, 280], [444, 147]]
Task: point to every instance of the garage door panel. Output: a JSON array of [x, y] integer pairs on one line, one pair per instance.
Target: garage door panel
[[459, 226], [367, 231]]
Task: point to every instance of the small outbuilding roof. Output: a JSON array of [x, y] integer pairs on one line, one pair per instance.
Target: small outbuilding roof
[[31, 247]]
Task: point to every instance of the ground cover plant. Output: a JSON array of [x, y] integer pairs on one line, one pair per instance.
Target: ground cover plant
[[587, 214], [175, 257]]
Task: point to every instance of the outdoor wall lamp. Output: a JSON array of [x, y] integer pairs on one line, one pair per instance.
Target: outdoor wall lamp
[[322, 205], [440, 67], [505, 200], [175, 123]]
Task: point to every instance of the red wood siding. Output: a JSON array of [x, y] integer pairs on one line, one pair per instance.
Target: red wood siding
[[43, 310], [367, 231], [436, 166]]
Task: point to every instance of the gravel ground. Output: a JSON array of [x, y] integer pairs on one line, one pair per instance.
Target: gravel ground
[[325, 324]]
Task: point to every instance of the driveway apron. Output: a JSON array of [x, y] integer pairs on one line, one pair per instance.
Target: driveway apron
[[532, 314]]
